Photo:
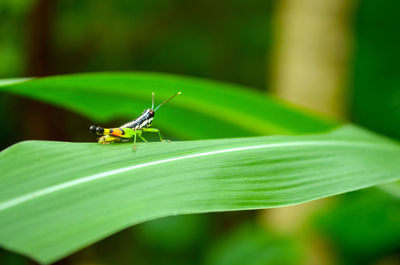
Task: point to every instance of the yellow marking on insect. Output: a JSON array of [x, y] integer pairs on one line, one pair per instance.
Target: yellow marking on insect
[[131, 129]]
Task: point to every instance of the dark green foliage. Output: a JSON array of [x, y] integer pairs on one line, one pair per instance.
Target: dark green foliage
[[363, 225], [376, 96]]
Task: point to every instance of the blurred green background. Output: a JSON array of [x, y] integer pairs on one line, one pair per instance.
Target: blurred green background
[[340, 58]]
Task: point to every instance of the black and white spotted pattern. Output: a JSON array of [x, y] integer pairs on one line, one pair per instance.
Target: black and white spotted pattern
[[144, 120]]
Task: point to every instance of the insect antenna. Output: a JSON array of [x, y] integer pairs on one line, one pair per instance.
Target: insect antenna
[[152, 100], [168, 99]]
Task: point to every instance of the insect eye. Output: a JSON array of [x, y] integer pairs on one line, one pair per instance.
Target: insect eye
[[92, 129]]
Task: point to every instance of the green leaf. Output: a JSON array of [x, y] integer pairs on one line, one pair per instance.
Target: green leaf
[[5, 82], [58, 197], [206, 109]]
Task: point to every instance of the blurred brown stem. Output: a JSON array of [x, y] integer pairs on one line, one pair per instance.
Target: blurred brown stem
[[310, 68], [311, 53], [39, 38]]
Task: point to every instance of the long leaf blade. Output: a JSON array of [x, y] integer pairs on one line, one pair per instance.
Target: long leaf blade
[[58, 197], [220, 110]]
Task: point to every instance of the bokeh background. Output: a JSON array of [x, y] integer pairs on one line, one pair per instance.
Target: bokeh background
[[337, 57]]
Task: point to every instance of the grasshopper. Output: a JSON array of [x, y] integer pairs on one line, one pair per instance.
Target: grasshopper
[[132, 129]]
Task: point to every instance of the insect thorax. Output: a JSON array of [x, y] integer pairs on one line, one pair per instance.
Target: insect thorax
[[144, 120]]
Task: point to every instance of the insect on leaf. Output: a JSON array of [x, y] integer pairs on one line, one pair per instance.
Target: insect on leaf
[[57, 197]]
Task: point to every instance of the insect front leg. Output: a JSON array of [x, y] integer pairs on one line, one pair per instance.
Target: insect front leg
[[139, 133], [154, 130]]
